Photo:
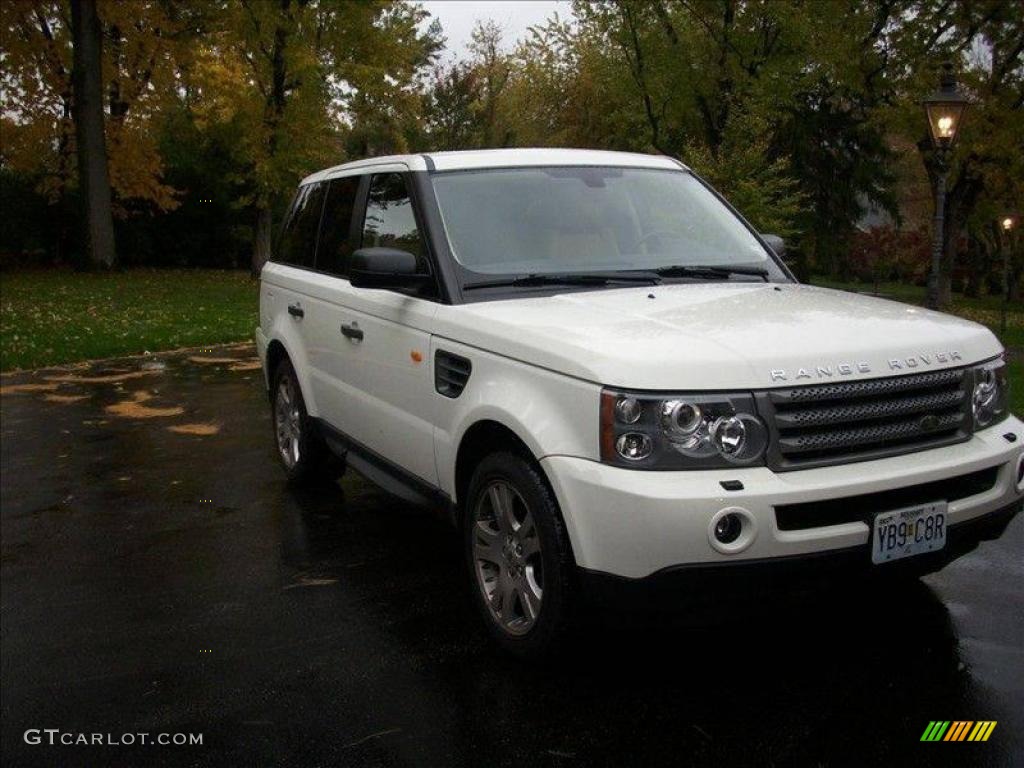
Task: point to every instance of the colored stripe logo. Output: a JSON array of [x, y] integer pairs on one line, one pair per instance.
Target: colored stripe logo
[[958, 730]]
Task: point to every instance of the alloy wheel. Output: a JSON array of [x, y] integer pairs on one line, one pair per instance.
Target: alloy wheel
[[287, 422], [507, 558]]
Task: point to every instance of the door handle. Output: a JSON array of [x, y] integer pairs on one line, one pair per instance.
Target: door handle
[[296, 311], [352, 331]]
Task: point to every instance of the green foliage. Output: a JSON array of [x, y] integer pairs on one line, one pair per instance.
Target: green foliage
[[882, 254], [760, 186], [804, 115], [56, 316]]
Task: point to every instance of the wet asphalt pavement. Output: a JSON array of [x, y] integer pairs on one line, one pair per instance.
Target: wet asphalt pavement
[[158, 576]]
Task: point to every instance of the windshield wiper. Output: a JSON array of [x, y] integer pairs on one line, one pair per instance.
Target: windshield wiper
[[571, 278], [710, 272]]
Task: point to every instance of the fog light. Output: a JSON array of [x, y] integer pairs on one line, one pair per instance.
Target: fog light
[[728, 528]]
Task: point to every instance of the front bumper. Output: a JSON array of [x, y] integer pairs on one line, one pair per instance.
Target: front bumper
[[728, 583], [633, 524]]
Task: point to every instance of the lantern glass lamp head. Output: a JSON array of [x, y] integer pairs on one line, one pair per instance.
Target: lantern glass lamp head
[[945, 109], [1007, 223]]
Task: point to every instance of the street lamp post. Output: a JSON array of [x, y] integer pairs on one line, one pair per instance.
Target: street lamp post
[[1004, 235], [945, 110]]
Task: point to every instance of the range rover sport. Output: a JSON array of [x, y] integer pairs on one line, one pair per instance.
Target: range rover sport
[[608, 378]]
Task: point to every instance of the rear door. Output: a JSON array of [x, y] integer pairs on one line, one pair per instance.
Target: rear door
[[329, 351], [288, 276]]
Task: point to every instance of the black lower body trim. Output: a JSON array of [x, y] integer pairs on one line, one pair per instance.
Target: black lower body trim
[[384, 473], [753, 580], [862, 507]]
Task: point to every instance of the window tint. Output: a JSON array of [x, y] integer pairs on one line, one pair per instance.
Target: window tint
[[297, 245], [336, 230], [390, 222]]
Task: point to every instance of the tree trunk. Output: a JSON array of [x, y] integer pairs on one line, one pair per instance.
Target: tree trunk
[[273, 113], [92, 148], [264, 226]]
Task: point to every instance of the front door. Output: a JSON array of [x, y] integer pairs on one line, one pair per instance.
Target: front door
[[373, 376]]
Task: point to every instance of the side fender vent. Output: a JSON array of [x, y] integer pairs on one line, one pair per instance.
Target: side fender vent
[[451, 373]]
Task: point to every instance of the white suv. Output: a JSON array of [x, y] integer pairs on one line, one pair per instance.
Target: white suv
[[609, 379]]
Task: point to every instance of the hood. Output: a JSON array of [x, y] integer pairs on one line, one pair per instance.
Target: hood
[[719, 335]]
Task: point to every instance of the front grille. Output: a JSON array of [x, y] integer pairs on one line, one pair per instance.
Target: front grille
[[818, 514], [822, 424]]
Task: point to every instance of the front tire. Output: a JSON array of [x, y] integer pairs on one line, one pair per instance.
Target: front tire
[[300, 448], [518, 554]]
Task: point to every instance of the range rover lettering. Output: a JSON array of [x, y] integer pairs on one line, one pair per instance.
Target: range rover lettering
[[609, 380]]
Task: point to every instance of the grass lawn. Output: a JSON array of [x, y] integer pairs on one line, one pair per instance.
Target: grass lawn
[[985, 309], [57, 316]]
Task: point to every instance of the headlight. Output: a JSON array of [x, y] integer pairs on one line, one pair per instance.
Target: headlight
[[645, 431], [990, 394]]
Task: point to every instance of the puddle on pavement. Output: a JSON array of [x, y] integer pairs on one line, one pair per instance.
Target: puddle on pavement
[[56, 382], [307, 581], [71, 378]]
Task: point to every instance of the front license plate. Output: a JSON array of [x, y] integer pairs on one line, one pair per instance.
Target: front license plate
[[908, 532]]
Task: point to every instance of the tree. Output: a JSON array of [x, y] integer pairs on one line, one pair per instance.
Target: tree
[[143, 44], [37, 125], [984, 39], [92, 146], [492, 71], [293, 70], [703, 79], [466, 104], [448, 111]]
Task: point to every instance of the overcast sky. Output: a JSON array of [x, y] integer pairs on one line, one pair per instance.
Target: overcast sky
[[458, 18]]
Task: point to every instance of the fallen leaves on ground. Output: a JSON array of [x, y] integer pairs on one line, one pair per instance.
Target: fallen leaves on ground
[[135, 408], [14, 389], [64, 399], [213, 360], [201, 430]]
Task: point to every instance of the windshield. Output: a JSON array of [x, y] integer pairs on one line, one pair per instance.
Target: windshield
[[582, 219]]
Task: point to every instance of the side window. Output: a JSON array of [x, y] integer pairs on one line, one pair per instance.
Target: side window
[[336, 230], [297, 245], [390, 221]]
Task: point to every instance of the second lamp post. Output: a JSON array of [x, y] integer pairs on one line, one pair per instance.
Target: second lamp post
[[945, 109]]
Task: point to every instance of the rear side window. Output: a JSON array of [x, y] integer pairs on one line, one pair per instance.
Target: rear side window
[[390, 221], [297, 245], [336, 229]]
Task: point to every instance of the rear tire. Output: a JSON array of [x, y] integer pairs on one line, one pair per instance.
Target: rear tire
[[300, 448], [518, 556]]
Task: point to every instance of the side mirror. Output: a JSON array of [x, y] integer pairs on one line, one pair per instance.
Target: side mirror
[[384, 268], [776, 243]]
